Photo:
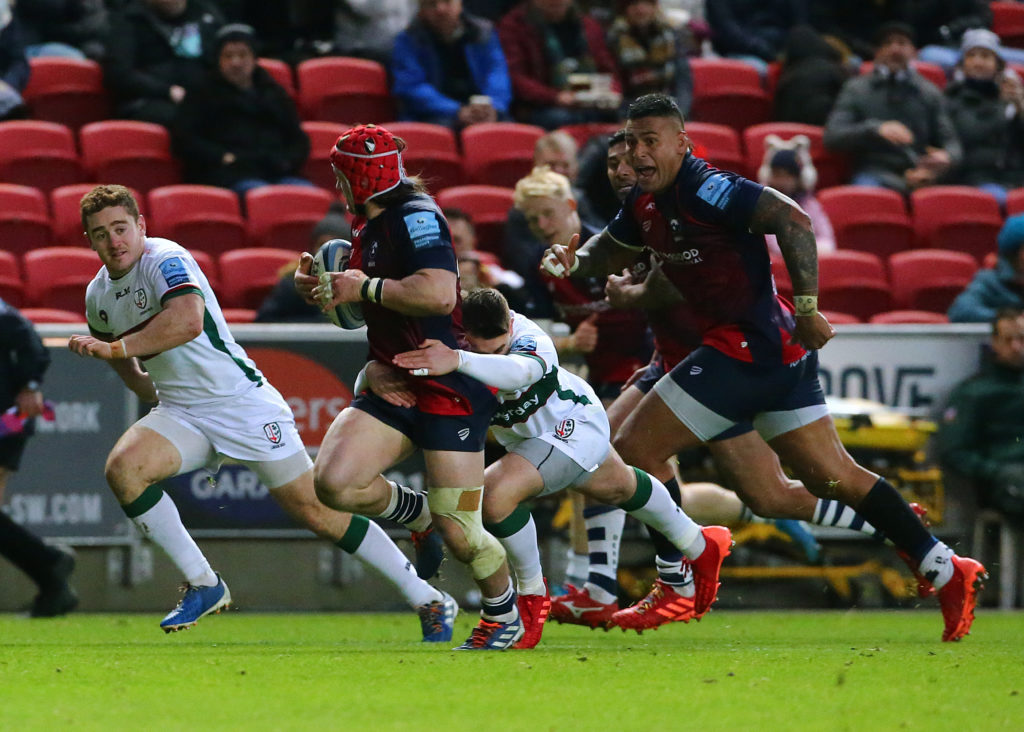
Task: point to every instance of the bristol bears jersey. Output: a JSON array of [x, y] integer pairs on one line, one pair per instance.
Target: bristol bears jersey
[[406, 237], [207, 368], [699, 231], [541, 407]]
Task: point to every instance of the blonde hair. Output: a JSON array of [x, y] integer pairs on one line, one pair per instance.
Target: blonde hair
[[543, 182]]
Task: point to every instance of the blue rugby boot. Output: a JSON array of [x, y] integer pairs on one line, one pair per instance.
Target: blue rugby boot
[[802, 537], [490, 636], [438, 619], [197, 602]]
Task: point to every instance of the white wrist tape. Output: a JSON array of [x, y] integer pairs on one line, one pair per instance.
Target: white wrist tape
[[555, 268]]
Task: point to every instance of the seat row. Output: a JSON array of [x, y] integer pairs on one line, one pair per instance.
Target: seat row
[[201, 217], [863, 285], [56, 277]]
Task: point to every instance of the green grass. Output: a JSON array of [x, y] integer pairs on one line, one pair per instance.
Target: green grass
[[857, 670]]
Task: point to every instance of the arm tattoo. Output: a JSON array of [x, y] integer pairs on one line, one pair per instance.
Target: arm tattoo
[[780, 215]]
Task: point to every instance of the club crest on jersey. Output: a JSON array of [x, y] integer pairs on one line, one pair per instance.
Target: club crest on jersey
[[141, 301], [565, 428], [273, 432]]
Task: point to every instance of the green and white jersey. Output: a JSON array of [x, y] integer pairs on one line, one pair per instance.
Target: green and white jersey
[[209, 368], [543, 407]]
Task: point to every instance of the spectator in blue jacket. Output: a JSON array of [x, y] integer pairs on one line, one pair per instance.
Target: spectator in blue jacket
[[449, 68], [994, 289]]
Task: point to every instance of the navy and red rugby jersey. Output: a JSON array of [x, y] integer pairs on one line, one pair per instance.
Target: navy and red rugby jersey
[[699, 231], [407, 237]]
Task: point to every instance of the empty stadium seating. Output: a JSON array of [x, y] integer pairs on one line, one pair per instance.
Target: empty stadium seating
[[487, 206], [39, 154], [929, 279], [250, 273], [66, 90], [866, 219], [134, 154], [344, 89], [24, 218], [499, 153], [283, 216], [198, 217], [959, 218]]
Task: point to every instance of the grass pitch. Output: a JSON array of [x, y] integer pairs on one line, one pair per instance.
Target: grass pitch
[[856, 670]]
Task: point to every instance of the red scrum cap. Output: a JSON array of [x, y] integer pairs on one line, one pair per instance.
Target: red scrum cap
[[370, 158]]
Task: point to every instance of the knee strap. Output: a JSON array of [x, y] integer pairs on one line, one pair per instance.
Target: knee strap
[[462, 506]]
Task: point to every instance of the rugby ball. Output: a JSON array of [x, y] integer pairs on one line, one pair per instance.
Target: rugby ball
[[333, 256]]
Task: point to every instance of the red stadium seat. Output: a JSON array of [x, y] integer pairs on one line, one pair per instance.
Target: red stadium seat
[[24, 218], [322, 136], [1008, 22], [720, 145], [134, 154], [929, 279], [249, 274], [783, 283], [431, 153], [54, 315], [837, 318], [283, 216], [487, 206], [57, 276], [853, 282], [66, 90], [499, 153], [38, 154], [1014, 201], [209, 266], [280, 72], [339, 88], [238, 315], [907, 316], [198, 217], [583, 132], [831, 167], [12, 289], [867, 219], [959, 218], [67, 217], [728, 92]]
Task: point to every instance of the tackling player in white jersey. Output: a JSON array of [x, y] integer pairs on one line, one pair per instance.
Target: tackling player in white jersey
[[557, 436], [150, 303]]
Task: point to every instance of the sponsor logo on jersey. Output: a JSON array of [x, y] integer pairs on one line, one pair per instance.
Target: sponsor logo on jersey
[[527, 343], [273, 432], [686, 256], [694, 370], [565, 428], [463, 433], [717, 191], [174, 272], [140, 299], [424, 229], [122, 293]]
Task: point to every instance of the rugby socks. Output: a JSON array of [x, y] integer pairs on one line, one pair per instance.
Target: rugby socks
[[886, 509], [367, 541], [501, 609], [841, 516], [604, 537], [653, 505], [156, 516], [577, 568], [518, 534], [677, 573], [407, 507]]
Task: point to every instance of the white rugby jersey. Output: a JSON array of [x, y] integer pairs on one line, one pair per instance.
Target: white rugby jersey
[[539, 409], [207, 368]]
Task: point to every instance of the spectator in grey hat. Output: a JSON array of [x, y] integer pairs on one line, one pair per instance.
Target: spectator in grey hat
[[986, 104], [240, 129]]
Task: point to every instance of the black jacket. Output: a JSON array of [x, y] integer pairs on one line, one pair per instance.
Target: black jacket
[[993, 144], [23, 357], [259, 125]]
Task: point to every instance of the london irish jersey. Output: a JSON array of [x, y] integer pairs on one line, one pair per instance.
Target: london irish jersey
[[541, 407], [206, 369]]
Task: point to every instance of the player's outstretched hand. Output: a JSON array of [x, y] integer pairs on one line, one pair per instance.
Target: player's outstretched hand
[[812, 331], [304, 281], [560, 261], [432, 358], [85, 345]]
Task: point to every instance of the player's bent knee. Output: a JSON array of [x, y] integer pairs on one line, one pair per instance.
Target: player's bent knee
[[463, 507]]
